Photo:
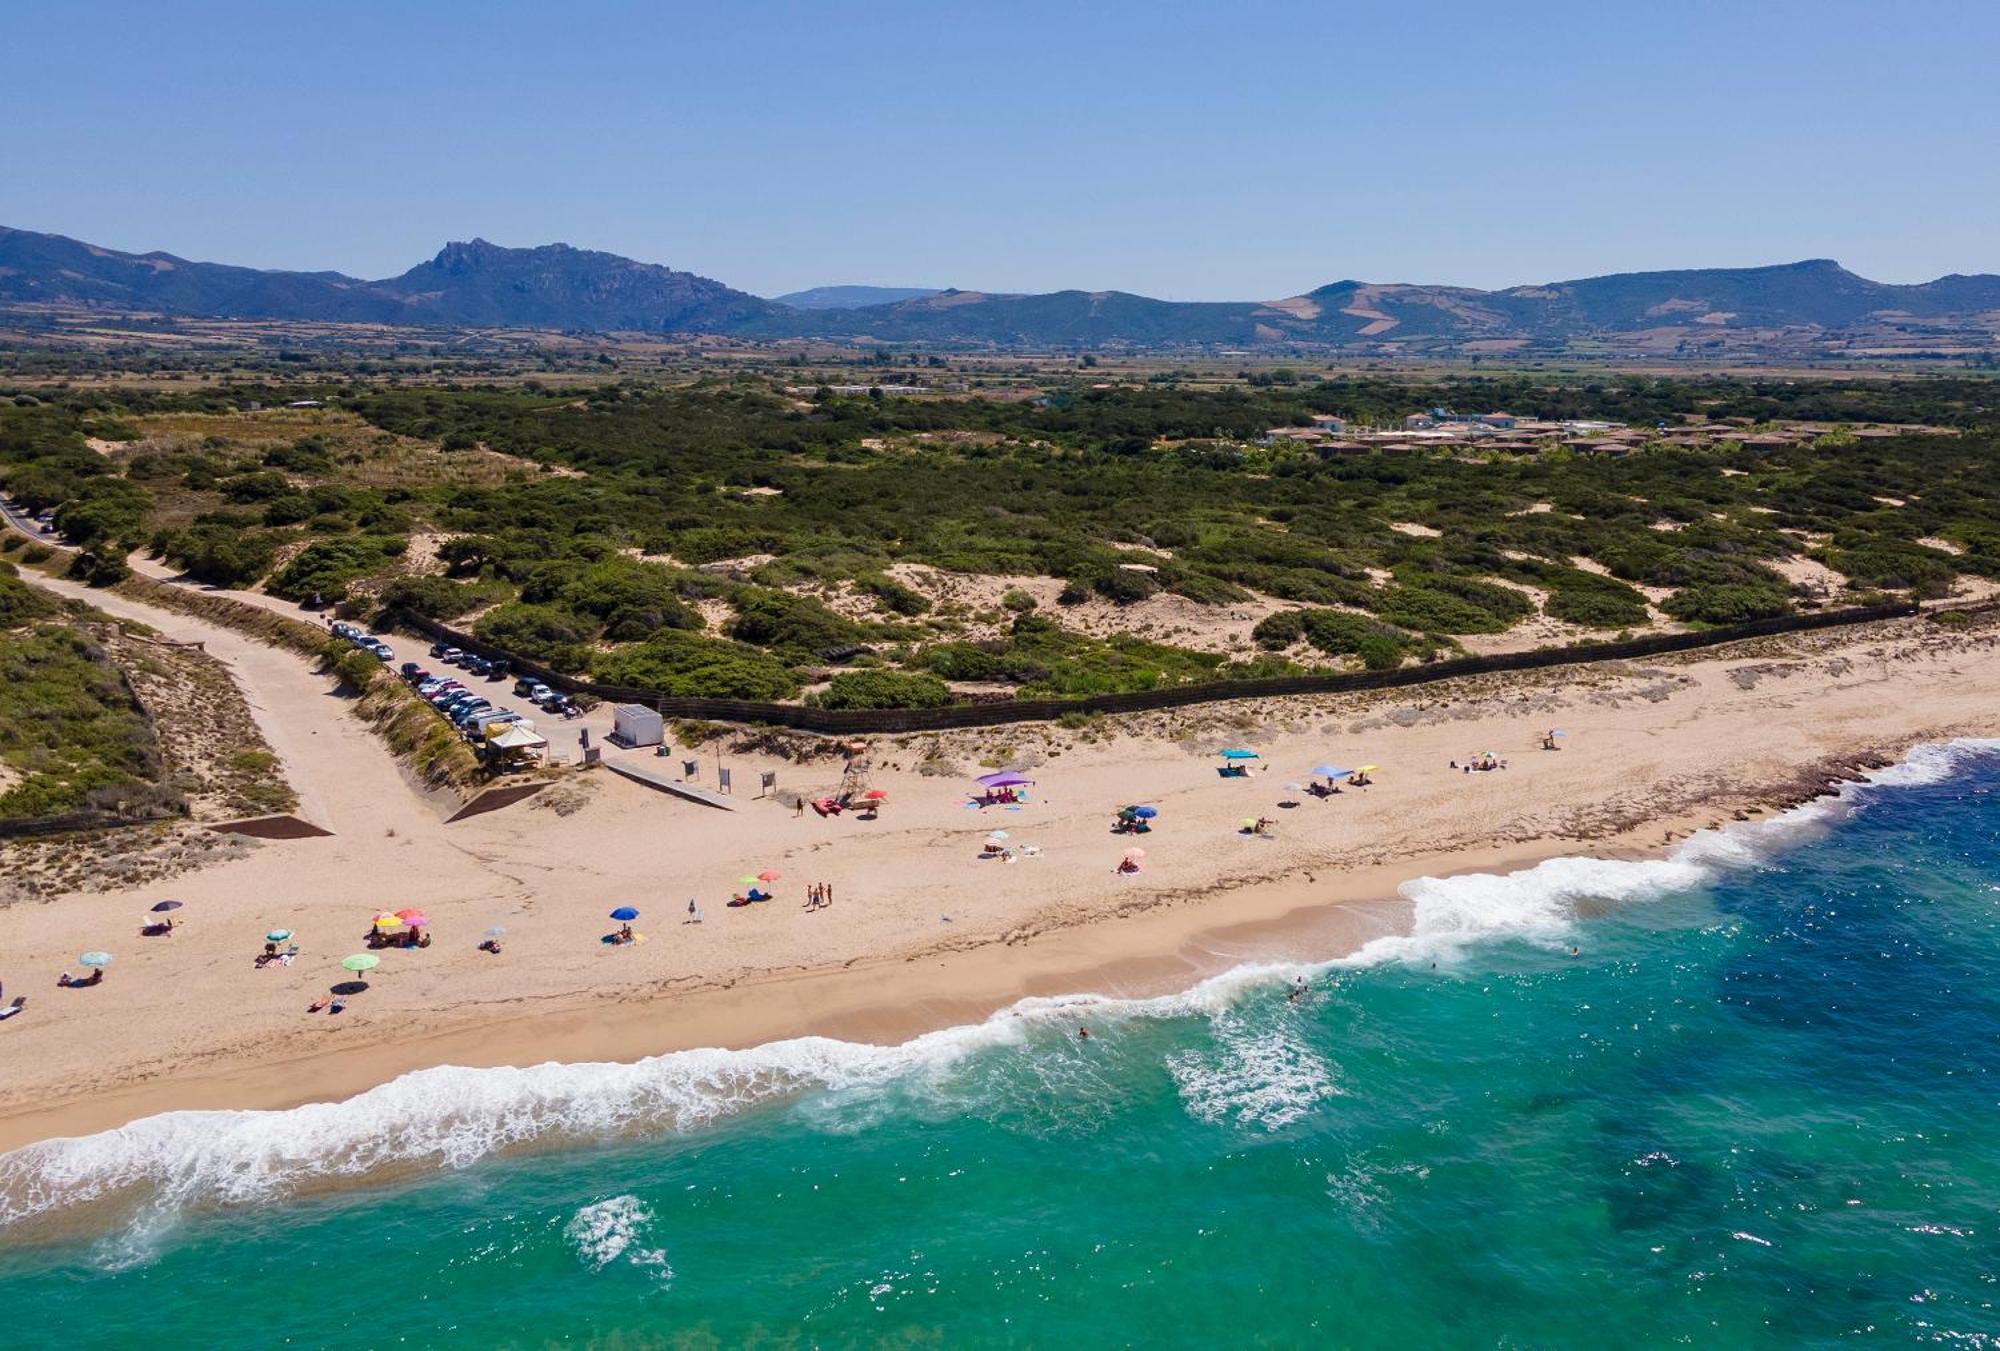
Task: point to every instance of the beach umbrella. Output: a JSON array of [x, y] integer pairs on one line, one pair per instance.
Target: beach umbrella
[[1330, 772], [1134, 855], [1364, 769], [1006, 778], [94, 959], [416, 919], [388, 920], [997, 835], [497, 931], [1145, 813], [625, 912], [277, 935], [769, 875], [1237, 753], [161, 907], [877, 795], [361, 961]]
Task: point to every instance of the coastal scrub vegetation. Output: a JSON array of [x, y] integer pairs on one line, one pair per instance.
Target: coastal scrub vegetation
[[734, 536]]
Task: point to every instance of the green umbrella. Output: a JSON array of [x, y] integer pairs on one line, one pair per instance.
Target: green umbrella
[[95, 959], [361, 961], [277, 935]]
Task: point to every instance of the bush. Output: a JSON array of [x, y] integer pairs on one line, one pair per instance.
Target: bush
[[1598, 602], [358, 671], [894, 596], [20, 603], [326, 568], [1126, 586], [631, 598], [436, 597], [1337, 632], [95, 569], [1433, 611], [1017, 601], [795, 626], [1379, 653], [687, 664], [884, 689], [1280, 630], [1726, 604], [218, 555], [538, 632]]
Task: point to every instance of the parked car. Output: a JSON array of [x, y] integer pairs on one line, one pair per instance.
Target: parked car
[[498, 668], [382, 650], [466, 712], [524, 688], [479, 666], [480, 722], [343, 629], [412, 672], [438, 649]]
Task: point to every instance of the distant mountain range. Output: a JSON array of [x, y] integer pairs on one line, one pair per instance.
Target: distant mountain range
[[852, 297], [555, 286]]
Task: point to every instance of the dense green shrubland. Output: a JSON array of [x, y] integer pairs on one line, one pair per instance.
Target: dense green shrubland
[[732, 490]]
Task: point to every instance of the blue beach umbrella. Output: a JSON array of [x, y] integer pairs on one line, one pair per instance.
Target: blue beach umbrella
[[1330, 772], [1238, 753], [1145, 813], [625, 912]]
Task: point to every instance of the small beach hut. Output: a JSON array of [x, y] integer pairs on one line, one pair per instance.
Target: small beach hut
[[637, 725]]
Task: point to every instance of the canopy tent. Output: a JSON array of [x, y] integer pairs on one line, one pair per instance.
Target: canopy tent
[[1237, 753], [1006, 778], [516, 736]]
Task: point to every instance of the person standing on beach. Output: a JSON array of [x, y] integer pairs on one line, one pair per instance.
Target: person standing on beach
[[694, 912]]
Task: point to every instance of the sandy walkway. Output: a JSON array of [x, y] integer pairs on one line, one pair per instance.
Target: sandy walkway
[[922, 931]]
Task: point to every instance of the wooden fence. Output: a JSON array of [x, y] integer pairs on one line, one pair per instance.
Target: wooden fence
[[862, 721]]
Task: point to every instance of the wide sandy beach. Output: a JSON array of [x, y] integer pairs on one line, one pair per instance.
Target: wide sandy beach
[[923, 931]]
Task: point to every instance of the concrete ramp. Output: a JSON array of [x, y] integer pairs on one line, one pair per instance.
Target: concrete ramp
[[652, 778]]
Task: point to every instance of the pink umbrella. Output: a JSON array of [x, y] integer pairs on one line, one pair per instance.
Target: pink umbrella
[[416, 919]]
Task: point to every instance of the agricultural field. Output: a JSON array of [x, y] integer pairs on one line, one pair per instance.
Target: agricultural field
[[748, 535]]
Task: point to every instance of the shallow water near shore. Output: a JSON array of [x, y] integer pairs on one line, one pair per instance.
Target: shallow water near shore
[[1756, 1106]]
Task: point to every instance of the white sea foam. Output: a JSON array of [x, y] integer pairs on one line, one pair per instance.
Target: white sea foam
[[609, 1231], [450, 1117], [1267, 1077]]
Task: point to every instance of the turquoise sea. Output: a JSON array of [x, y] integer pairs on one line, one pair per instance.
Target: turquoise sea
[[1757, 1107]]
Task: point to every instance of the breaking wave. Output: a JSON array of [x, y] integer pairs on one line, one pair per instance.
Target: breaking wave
[[449, 1117]]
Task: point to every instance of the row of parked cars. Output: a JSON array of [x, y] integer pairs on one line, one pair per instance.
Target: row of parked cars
[[366, 641], [467, 708]]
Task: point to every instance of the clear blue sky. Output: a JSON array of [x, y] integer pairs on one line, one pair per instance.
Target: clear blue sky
[[1228, 151]]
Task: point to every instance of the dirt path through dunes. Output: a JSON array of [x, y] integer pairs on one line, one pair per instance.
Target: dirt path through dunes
[[345, 778]]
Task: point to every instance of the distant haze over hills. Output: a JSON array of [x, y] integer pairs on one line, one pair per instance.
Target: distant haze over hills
[[852, 297], [555, 286]]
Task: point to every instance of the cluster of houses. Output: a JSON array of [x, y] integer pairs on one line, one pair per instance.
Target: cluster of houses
[[1443, 428]]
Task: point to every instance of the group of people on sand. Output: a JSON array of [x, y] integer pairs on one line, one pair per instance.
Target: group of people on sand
[[66, 980], [819, 896], [1480, 764], [408, 938], [270, 956]]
